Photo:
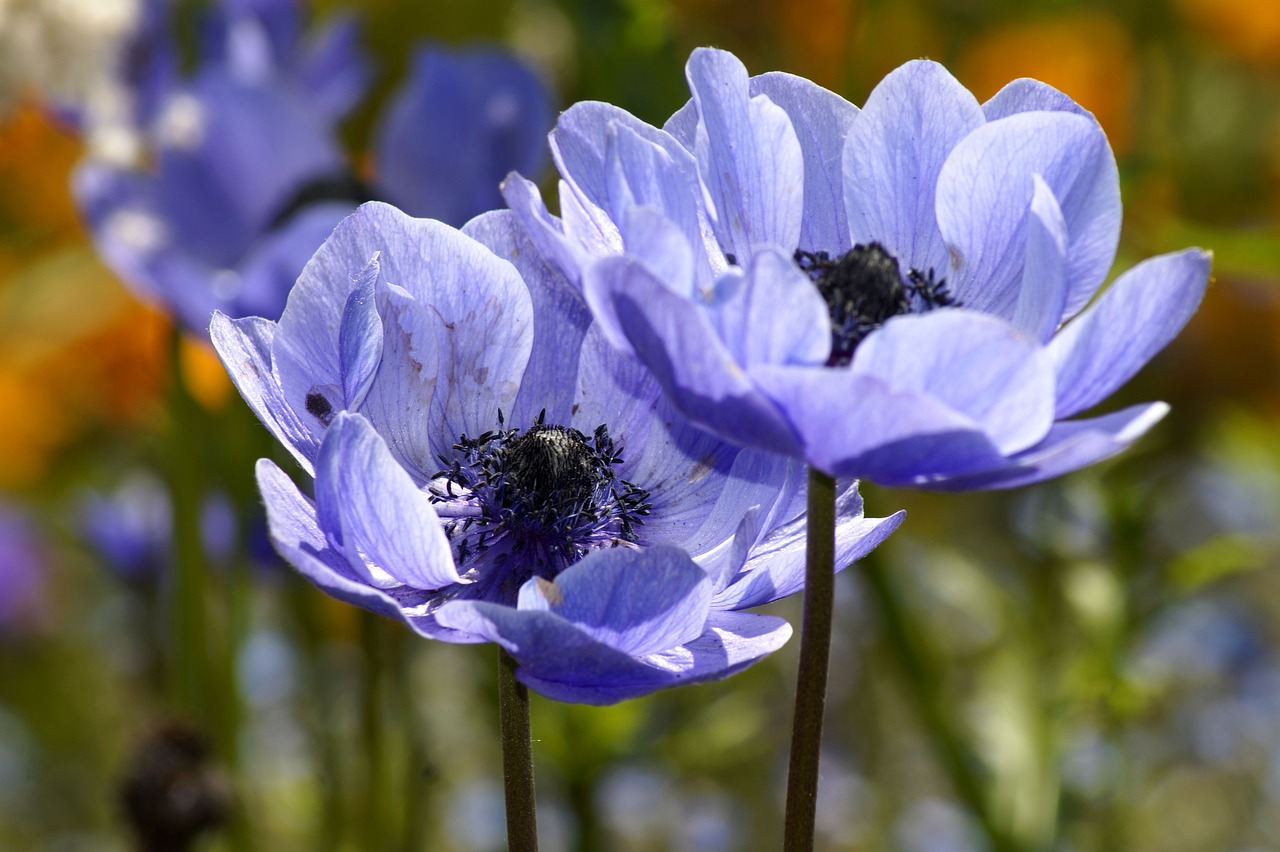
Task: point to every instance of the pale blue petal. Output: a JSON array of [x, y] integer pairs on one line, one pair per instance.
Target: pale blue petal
[[1043, 293], [749, 159], [1133, 320], [360, 336], [1068, 446], [985, 191], [244, 345], [560, 319], [857, 425], [292, 525], [977, 365], [893, 155], [637, 601], [773, 314], [387, 522], [681, 348], [821, 120], [1028, 95]]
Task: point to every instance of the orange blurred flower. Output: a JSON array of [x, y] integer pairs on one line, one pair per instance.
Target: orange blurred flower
[[1089, 57], [1247, 28]]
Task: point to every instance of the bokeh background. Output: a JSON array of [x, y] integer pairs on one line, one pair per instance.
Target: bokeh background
[[1101, 652]]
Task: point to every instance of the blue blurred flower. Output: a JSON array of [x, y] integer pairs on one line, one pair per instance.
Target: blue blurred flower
[[488, 468], [131, 528], [245, 175], [23, 573], [897, 292]]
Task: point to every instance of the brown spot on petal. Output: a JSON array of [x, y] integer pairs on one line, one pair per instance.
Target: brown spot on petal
[[549, 590]]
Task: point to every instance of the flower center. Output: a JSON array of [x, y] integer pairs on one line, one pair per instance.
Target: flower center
[[534, 502], [863, 289]]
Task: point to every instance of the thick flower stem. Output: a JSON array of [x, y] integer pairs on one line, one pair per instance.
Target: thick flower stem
[[815, 651], [517, 757], [907, 649]]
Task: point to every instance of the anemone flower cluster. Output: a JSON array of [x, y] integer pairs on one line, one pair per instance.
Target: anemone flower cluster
[[487, 467], [243, 174], [911, 292]]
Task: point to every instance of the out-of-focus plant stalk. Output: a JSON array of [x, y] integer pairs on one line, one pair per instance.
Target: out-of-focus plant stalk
[[815, 653], [189, 663], [909, 652], [202, 667]]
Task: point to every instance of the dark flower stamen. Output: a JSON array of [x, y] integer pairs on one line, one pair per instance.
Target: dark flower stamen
[[863, 289], [549, 494]]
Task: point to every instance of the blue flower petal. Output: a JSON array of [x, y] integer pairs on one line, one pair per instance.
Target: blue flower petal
[[976, 365], [460, 123], [360, 336], [389, 531], [1043, 293], [1068, 446], [293, 527], [985, 190], [1133, 320], [560, 319], [244, 345], [894, 152], [776, 564], [685, 355], [821, 120], [749, 158], [1028, 95]]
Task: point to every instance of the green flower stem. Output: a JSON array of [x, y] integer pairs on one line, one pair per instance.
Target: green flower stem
[[910, 654], [517, 757], [815, 651]]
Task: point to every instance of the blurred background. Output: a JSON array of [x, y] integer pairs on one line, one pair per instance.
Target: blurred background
[[1089, 664]]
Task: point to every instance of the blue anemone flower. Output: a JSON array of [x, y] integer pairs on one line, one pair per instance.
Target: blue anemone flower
[[245, 176], [488, 468], [910, 292]]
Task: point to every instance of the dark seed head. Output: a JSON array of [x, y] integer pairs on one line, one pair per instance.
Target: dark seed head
[[550, 465], [863, 289]]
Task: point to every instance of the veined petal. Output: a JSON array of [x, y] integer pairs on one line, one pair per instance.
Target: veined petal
[[638, 601], [244, 345], [475, 302], [1043, 293], [385, 519], [985, 190], [893, 154], [1068, 446], [681, 348], [294, 530], [857, 425], [560, 319], [545, 231], [821, 120], [1028, 95], [360, 336], [1133, 320], [976, 365], [562, 662], [749, 158], [774, 314], [775, 567]]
